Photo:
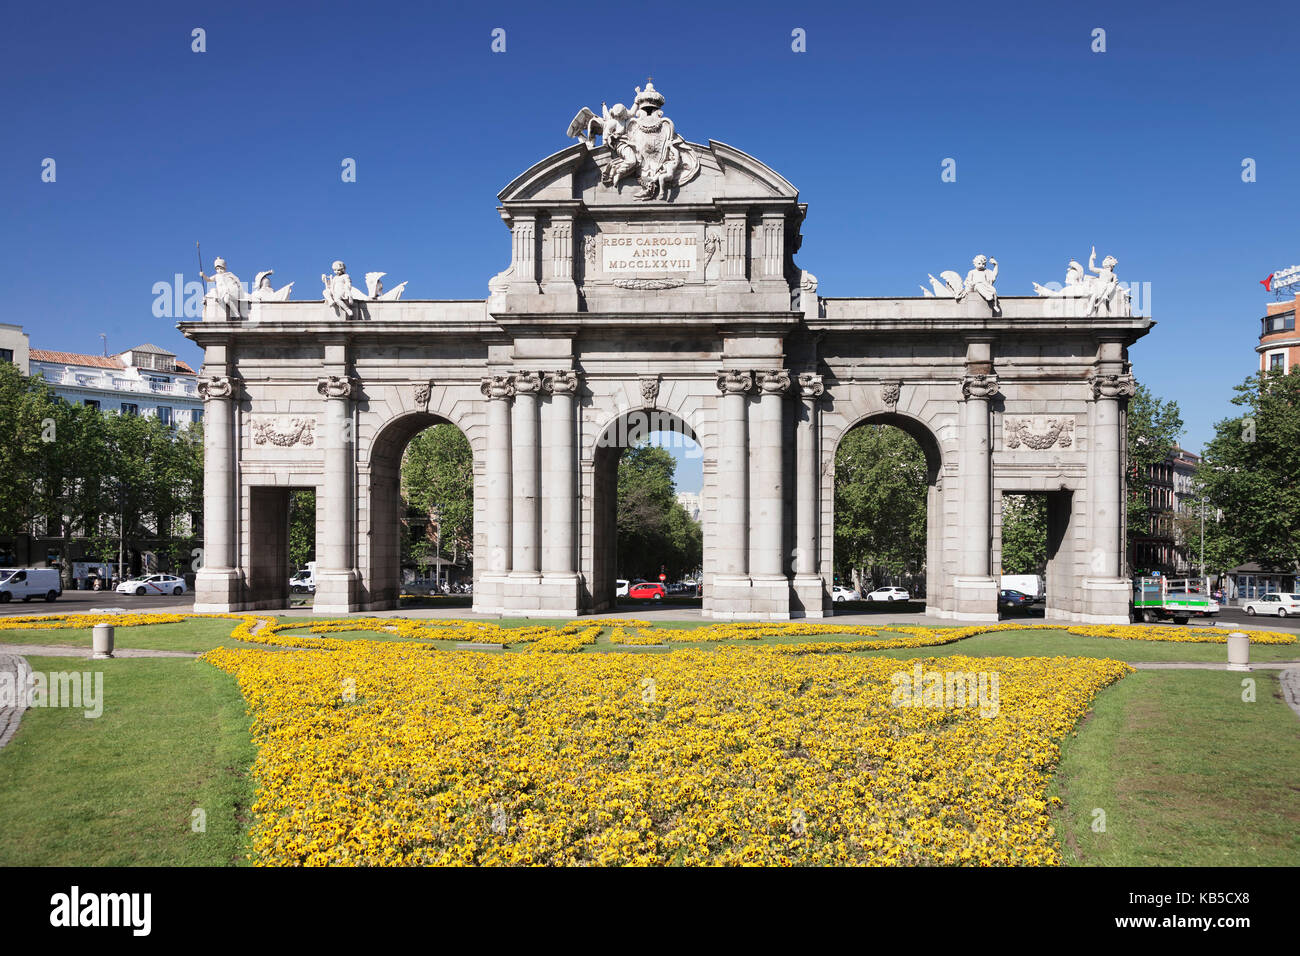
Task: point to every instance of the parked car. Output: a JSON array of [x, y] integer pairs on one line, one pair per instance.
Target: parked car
[[1280, 605], [840, 593], [647, 591], [153, 584], [1031, 584], [27, 583], [889, 594], [620, 589], [1009, 600]]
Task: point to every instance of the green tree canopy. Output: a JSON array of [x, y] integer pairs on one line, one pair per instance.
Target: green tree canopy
[[880, 499], [654, 530], [1024, 534], [1154, 426], [1249, 472], [438, 477]]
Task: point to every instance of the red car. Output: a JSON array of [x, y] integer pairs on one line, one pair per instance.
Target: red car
[[647, 591]]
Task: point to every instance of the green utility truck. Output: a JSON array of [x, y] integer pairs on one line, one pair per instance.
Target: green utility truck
[[1179, 599]]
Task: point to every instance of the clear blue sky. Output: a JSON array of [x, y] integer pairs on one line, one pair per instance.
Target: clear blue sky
[[1137, 150]]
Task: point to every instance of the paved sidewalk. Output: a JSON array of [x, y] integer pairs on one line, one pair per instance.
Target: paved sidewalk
[[66, 650], [1209, 665], [12, 713]]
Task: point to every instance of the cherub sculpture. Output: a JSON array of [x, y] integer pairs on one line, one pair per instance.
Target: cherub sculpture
[[375, 289], [338, 289], [980, 281]]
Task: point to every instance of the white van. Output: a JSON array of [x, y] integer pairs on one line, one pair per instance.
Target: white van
[[28, 583], [1031, 584]]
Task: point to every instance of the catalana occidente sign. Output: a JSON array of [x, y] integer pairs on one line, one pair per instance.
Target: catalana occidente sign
[[648, 252], [1282, 279]]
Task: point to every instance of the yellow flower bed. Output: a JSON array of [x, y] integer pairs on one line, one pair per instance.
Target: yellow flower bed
[[374, 756]]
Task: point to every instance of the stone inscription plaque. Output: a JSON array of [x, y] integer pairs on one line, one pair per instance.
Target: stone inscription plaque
[[636, 253]]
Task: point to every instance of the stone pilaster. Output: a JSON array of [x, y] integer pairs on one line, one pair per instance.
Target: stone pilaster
[[337, 578], [767, 496], [1106, 591], [976, 590], [489, 589], [219, 583], [808, 586]]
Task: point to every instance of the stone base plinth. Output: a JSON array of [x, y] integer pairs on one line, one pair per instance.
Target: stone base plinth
[[533, 594], [218, 591], [976, 599], [1106, 601], [489, 593], [808, 598], [337, 592], [750, 599]]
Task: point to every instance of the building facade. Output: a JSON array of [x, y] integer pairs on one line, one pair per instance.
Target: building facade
[[1279, 345], [146, 380]]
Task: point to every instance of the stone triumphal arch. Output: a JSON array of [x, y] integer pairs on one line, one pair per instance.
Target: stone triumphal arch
[[654, 279]]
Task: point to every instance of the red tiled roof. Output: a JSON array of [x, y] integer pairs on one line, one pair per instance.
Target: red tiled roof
[[93, 361], [74, 358]]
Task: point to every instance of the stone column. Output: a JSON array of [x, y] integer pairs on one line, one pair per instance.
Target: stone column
[[525, 552], [767, 497], [218, 585], [1106, 590], [489, 588], [733, 478], [336, 573], [807, 484], [559, 489], [976, 591]]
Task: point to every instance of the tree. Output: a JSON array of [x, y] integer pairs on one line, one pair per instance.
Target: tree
[[1153, 429], [302, 528], [1250, 472], [1024, 534], [25, 406], [654, 530], [438, 484], [880, 490]]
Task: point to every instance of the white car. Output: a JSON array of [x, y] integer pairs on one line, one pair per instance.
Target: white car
[[153, 584], [621, 589], [1281, 605], [841, 593], [889, 594]]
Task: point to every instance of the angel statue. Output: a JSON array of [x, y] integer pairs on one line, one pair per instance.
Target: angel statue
[[980, 281], [375, 289], [263, 291], [1104, 286], [1076, 283], [338, 289]]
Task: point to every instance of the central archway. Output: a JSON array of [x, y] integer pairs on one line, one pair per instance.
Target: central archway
[[632, 429]]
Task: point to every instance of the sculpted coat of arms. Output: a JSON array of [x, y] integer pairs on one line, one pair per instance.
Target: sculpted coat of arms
[[643, 142]]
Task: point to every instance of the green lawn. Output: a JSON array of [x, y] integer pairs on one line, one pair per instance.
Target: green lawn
[[120, 789], [1186, 772], [194, 635]]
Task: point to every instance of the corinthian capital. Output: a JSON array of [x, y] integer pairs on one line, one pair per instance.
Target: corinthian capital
[[528, 382], [774, 381], [732, 382], [811, 385], [337, 386], [1112, 386], [216, 386], [561, 382], [979, 385], [497, 387]]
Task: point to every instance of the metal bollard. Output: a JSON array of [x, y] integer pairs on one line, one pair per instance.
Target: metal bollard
[[102, 643], [1238, 651]]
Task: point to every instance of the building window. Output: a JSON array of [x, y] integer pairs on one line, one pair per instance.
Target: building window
[[1278, 323], [1277, 362], [129, 408], [164, 414], [196, 415], [92, 403], [6, 355]]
